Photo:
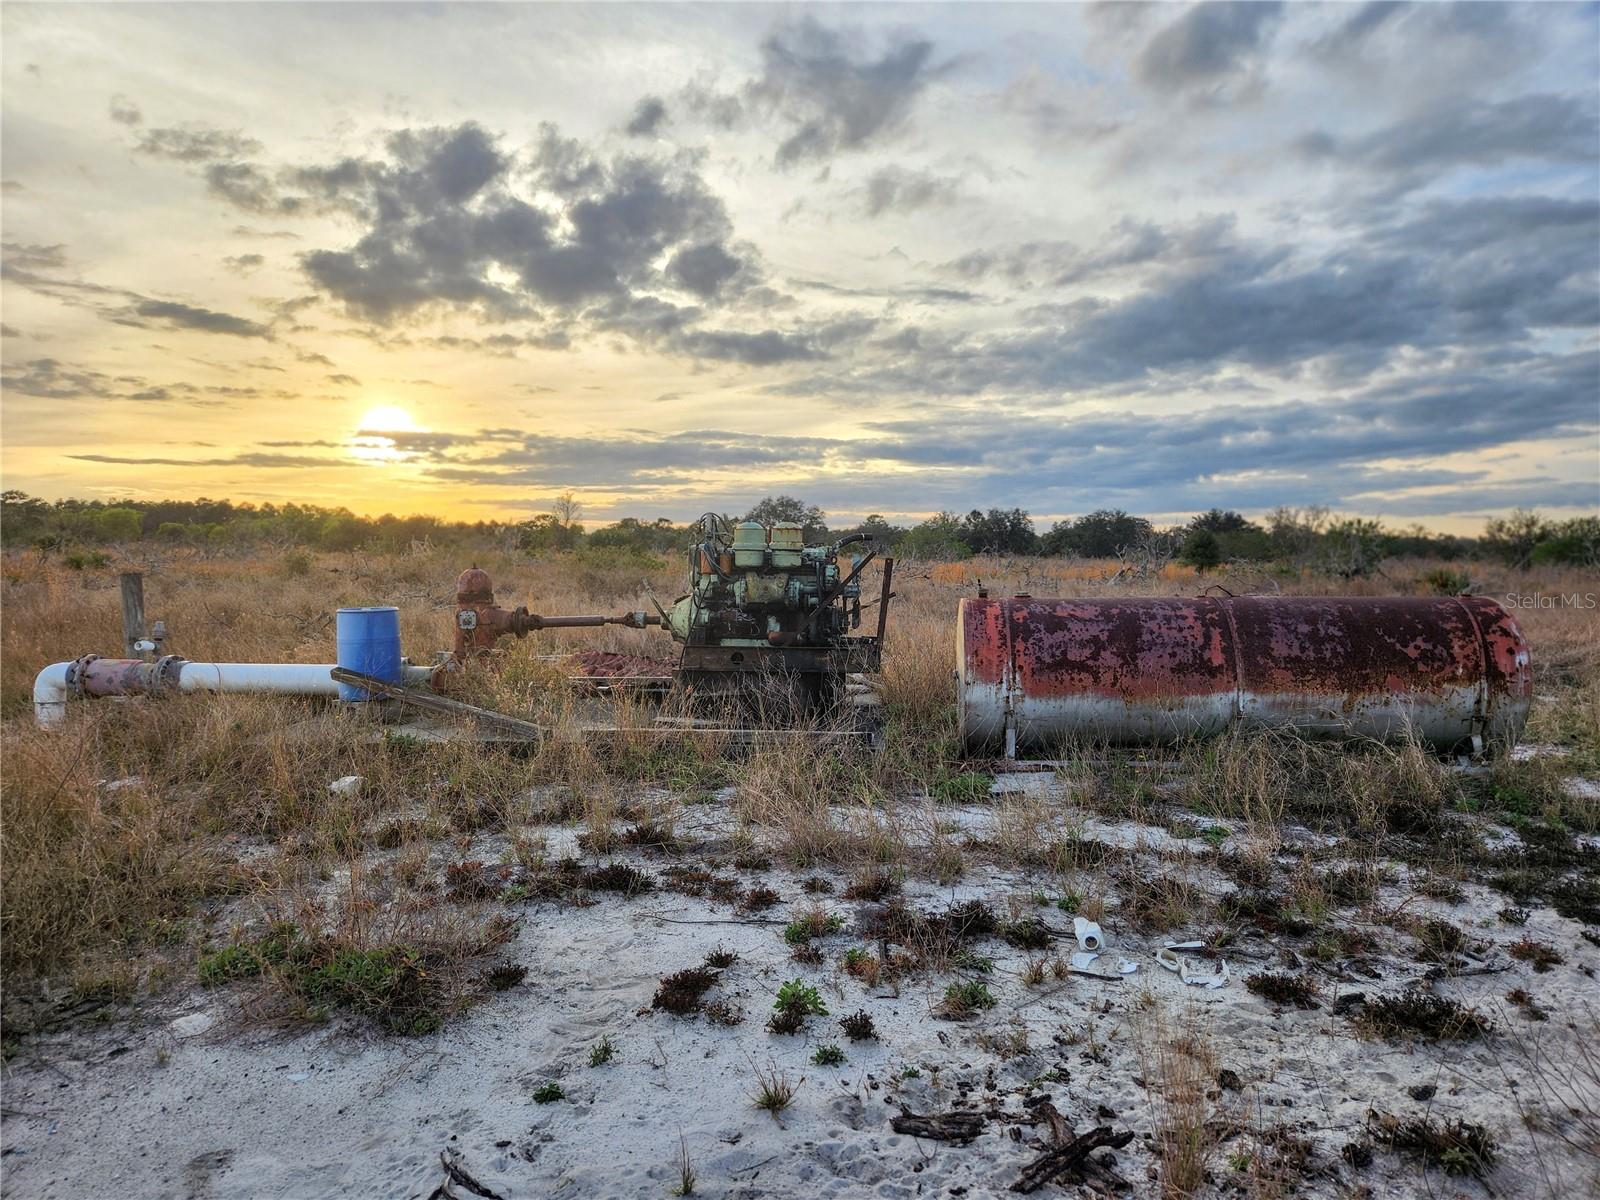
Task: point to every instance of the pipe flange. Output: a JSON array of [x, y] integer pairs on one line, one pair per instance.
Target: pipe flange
[[165, 673], [75, 673]]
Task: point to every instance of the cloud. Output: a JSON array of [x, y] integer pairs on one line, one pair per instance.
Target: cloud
[[1207, 47], [1131, 243], [26, 264], [762, 349], [19, 257], [1541, 126], [344, 380], [197, 144], [173, 315], [274, 461], [1440, 282], [704, 269], [124, 111], [829, 89], [899, 189], [243, 264], [246, 231], [1255, 455], [648, 116], [446, 225], [50, 379], [1377, 34]]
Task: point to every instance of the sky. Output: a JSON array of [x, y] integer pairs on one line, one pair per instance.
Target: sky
[[460, 258]]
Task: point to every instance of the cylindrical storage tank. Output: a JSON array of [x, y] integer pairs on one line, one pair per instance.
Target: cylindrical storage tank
[[1036, 674], [368, 640]]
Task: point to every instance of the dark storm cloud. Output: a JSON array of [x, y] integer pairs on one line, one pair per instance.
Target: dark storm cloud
[[1542, 126], [124, 111], [197, 144], [648, 116], [832, 92], [1207, 46], [901, 189]]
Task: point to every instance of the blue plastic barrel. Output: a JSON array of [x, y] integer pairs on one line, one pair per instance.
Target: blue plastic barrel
[[368, 640]]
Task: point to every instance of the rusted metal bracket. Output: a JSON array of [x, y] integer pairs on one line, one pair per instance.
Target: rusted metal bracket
[[429, 702]]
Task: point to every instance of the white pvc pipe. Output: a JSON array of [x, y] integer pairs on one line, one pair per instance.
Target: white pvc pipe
[[50, 690], [50, 695], [295, 679]]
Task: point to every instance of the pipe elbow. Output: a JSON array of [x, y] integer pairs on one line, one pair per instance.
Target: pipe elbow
[[50, 691]]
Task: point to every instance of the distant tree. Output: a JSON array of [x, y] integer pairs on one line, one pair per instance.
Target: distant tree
[[630, 533], [999, 531], [1219, 520], [1105, 533], [1574, 543], [546, 533], [774, 509], [119, 524], [1201, 550], [566, 508], [339, 531], [23, 518], [934, 540], [1353, 548], [1293, 532], [1512, 538]]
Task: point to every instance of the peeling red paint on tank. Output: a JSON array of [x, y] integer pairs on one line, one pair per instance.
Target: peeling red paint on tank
[[1447, 670]]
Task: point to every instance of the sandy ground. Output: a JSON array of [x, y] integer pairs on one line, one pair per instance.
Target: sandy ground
[[191, 1099]]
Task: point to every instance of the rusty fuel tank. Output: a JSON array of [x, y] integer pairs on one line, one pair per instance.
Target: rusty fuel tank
[[1036, 675]]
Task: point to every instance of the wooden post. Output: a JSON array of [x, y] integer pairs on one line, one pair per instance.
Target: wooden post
[[132, 612]]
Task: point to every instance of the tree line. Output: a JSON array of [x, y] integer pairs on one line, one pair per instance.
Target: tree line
[[1344, 545]]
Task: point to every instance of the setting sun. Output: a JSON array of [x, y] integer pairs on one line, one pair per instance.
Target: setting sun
[[386, 418], [373, 441]]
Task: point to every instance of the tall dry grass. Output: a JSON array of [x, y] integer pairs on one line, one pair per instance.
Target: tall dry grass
[[96, 870], [1179, 1067]]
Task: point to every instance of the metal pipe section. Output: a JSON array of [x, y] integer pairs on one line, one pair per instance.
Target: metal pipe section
[[92, 675], [1035, 674]]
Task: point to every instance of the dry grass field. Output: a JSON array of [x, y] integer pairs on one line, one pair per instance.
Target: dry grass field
[[586, 936]]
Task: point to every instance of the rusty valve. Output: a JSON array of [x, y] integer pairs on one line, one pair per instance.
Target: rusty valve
[[480, 623]]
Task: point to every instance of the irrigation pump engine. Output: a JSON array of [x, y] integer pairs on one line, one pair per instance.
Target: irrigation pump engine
[[762, 600], [766, 617]]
